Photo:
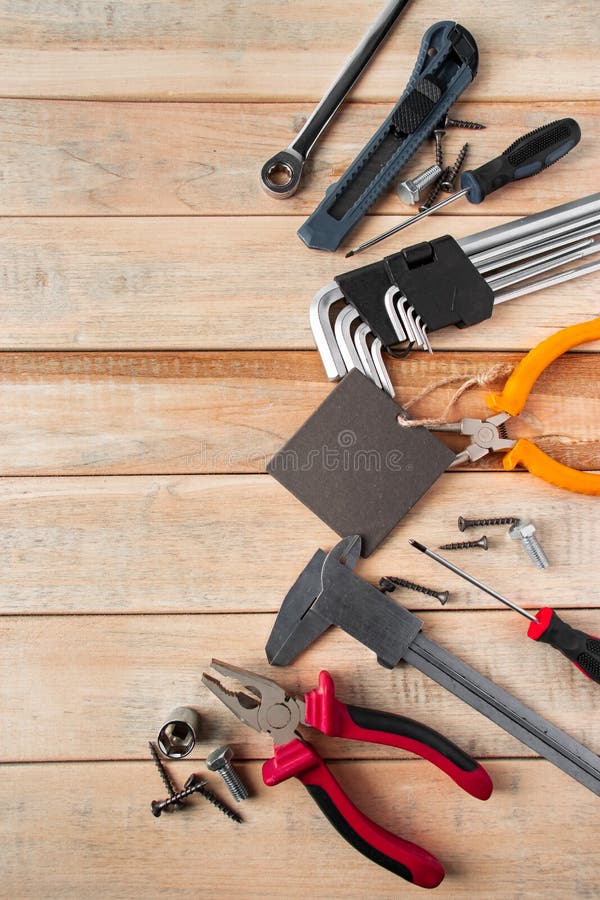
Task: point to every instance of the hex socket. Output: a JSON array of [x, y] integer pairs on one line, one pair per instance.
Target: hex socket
[[177, 737]]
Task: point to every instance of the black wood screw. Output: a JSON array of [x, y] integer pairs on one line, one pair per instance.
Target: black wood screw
[[466, 545], [463, 123], [165, 777], [218, 803], [389, 584], [481, 523], [438, 135], [448, 182], [435, 190], [192, 785]]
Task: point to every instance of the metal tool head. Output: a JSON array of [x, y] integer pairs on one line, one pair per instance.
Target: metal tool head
[[344, 600], [320, 323], [262, 704], [280, 175], [298, 623], [488, 436]]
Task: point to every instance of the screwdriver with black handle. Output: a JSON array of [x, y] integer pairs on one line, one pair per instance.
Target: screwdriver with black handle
[[582, 649], [527, 156]]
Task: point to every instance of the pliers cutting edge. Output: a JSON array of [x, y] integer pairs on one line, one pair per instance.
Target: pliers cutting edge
[[489, 436], [265, 706]]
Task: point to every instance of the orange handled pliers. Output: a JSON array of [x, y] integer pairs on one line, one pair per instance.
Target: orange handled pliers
[[489, 435]]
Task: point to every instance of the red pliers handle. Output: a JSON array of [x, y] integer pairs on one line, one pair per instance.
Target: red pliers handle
[[299, 759]]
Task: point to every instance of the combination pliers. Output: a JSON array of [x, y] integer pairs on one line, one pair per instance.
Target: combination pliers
[[489, 435], [265, 706]]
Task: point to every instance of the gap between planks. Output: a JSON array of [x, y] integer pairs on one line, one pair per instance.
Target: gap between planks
[[122, 675]]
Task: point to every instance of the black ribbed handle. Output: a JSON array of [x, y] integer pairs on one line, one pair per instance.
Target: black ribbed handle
[[529, 155]]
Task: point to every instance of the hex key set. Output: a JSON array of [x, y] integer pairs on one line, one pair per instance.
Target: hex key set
[[396, 303], [361, 464]]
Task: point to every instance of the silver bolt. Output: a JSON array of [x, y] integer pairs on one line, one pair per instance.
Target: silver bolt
[[220, 761], [410, 191], [525, 532]]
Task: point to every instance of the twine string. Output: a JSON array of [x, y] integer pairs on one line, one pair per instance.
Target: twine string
[[479, 379]]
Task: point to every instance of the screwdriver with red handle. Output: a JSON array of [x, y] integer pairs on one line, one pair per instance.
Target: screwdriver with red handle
[[582, 649]]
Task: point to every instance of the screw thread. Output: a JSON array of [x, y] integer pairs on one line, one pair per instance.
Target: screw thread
[[534, 550], [448, 182], [409, 191], [235, 785], [481, 523], [466, 545], [389, 583], [219, 804], [463, 123], [164, 775], [427, 176], [434, 193], [439, 150], [190, 788]]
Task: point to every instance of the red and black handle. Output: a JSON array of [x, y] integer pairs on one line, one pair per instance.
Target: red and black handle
[[401, 857], [326, 713], [581, 648]]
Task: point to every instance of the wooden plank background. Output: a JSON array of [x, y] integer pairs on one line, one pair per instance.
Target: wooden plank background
[[155, 351]]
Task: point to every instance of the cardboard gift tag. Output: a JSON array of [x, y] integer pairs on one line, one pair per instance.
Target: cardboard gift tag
[[355, 467]]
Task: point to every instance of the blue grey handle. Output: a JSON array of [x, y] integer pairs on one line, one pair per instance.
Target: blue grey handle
[[446, 65], [527, 156]]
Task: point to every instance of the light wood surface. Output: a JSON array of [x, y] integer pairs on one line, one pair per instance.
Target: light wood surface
[[217, 283], [264, 50], [275, 853], [212, 413], [101, 159], [156, 351], [157, 544]]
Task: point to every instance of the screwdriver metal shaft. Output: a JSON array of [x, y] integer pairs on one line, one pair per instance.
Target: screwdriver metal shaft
[[411, 221], [582, 649], [474, 581], [528, 155]]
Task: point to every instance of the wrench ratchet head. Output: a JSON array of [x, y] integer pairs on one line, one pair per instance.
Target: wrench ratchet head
[[280, 175]]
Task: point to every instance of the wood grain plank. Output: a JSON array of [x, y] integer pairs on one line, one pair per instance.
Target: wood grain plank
[[100, 687], [104, 835], [266, 50], [126, 413], [215, 283], [86, 158], [222, 544]]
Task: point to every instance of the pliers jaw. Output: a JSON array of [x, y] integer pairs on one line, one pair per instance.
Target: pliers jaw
[[262, 704], [489, 436]]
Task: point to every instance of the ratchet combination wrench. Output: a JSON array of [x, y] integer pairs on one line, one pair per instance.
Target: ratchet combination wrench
[[280, 175]]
